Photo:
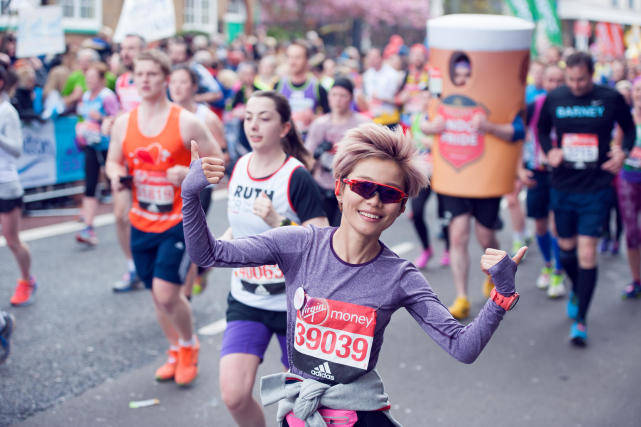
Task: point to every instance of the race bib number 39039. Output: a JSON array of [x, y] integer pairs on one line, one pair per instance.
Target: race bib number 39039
[[333, 339]]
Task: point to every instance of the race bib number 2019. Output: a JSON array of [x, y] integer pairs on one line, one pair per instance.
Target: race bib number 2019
[[333, 339]]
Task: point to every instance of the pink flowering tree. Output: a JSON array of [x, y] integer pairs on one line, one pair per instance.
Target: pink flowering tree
[[374, 12]]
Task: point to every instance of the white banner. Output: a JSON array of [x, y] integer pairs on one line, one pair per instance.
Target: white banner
[[151, 19], [37, 165], [40, 31]]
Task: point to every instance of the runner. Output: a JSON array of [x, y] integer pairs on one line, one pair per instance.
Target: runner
[[150, 143], [380, 86], [460, 210], [324, 135], [582, 115], [534, 174], [629, 193], [96, 104], [11, 190], [183, 84], [307, 97], [129, 99], [343, 284], [269, 188]]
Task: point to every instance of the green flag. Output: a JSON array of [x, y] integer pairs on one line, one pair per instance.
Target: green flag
[[550, 19], [525, 9]]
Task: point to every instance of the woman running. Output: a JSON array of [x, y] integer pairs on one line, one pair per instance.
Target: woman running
[[11, 192], [183, 85], [97, 103], [629, 194], [268, 188], [343, 284]]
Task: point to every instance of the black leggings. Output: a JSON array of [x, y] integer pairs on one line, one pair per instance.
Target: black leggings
[[619, 223], [418, 216], [93, 160]]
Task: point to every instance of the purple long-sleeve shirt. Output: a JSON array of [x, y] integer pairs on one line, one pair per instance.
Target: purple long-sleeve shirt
[[385, 284]]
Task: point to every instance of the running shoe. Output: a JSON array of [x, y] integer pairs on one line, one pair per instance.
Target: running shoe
[[445, 259], [460, 309], [604, 246], [572, 309], [130, 282], [200, 284], [633, 290], [614, 250], [167, 371], [187, 368], [487, 286], [543, 281], [556, 288], [579, 334], [24, 293], [87, 236], [423, 258], [5, 336]]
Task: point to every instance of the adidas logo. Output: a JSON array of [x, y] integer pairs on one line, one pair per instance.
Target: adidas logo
[[323, 371]]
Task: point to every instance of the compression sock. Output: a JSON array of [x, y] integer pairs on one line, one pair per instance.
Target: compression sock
[[571, 266], [587, 283], [557, 255], [545, 246]]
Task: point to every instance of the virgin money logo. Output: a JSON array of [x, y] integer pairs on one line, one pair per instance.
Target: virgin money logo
[[315, 312]]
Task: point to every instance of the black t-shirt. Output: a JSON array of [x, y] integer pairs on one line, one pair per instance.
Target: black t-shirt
[[583, 127], [304, 195]]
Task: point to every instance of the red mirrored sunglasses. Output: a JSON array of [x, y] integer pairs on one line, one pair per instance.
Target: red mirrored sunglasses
[[367, 189]]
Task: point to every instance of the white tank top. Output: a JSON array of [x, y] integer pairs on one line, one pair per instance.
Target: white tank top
[[201, 112], [261, 287]]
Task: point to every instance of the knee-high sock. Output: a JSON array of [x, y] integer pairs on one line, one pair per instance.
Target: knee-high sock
[[571, 266], [545, 246], [556, 251], [586, 285]]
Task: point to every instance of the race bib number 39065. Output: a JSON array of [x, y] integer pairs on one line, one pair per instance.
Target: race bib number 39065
[[333, 339]]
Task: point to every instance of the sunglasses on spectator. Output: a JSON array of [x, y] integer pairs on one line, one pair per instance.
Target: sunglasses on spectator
[[367, 189]]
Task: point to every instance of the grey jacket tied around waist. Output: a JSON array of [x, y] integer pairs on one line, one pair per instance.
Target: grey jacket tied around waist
[[305, 396]]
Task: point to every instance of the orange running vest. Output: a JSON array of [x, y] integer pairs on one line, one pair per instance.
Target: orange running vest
[[157, 205]]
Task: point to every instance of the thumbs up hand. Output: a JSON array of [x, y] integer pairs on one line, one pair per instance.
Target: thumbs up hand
[[213, 167], [202, 172], [502, 269]]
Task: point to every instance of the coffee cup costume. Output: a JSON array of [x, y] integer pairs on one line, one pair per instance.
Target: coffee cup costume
[[468, 163]]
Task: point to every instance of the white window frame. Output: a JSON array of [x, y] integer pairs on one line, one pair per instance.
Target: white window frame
[[78, 24], [236, 16], [211, 27]]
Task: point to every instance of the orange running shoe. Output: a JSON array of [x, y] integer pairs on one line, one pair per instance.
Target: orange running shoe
[[187, 368], [25, 292], [167, 371]]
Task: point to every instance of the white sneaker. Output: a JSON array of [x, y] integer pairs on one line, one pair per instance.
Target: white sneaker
[[556, 288], [543, 281]]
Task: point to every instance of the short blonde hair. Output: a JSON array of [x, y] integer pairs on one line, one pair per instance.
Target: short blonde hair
[[157, 56], [370, 140]]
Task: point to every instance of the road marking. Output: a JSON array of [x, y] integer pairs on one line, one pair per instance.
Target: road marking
[[402, 248], [213, 328], [62, 228], [73, 226]]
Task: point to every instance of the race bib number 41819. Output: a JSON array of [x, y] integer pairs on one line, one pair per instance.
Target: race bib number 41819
[[333, 339]]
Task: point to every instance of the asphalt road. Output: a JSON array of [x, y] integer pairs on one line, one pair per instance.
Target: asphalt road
[[81, 353]]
